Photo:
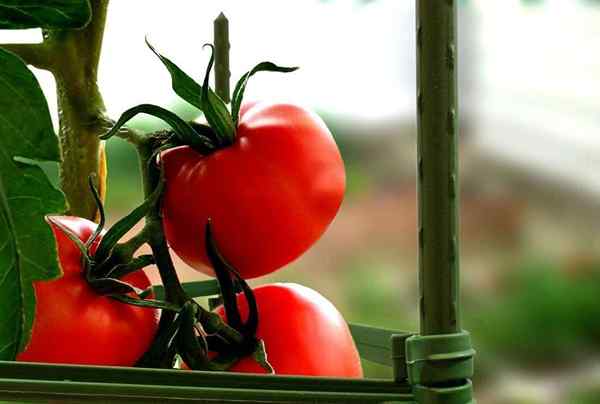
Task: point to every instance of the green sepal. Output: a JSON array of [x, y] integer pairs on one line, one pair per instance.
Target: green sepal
[[183, 85], [110, 286], [240, 87], [149, 303], [188, 89], [193, 289], [100, 206], [119, 229], [260, 356], [101, 285], [73, 237], [137, 263], [215, 110], [183, 131]]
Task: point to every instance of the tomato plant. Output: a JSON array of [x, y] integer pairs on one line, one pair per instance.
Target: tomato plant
[[303, 332], [238, 196], [74, 324], [270, 195]]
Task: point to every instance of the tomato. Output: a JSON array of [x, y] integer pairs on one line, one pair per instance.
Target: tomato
[[270, 195], [304, 333], [73, 324]]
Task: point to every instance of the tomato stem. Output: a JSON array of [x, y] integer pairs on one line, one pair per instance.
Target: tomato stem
[[153, 228]]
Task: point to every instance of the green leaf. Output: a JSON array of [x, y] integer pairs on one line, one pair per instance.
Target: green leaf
[[374, 344], [27, 246], [240, 87], [65, 14], [184, 132], [215, 110]]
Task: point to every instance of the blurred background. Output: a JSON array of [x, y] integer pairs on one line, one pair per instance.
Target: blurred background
[[530, 157]]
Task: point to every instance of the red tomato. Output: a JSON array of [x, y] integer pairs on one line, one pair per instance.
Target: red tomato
[[304, 333], [270, 195], [75, 325]]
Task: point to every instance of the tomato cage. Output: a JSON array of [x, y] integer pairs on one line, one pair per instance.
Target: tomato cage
[[431, 366]]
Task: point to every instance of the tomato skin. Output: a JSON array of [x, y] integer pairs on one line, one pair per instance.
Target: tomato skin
[[304, 333], [270, 195], [75, 325]]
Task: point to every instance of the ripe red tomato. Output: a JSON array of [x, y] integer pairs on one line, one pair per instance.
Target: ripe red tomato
[[75, 325], [304, 333], [270, 195]]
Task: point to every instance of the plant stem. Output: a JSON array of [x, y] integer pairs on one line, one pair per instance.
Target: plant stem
[[174, 292], [221, 44], [35, 54], [75, 56], [437, 166]]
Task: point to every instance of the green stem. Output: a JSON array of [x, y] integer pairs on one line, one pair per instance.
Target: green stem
[[174, 292], [74, 63], [437, 166], [35, 54], [221, 43]]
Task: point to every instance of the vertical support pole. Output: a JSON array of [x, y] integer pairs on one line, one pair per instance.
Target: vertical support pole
[[439, 360], [221, 44], [437, 166]]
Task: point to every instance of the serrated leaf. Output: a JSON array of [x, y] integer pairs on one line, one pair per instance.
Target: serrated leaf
[[65, 14], [27, 246], [373, 343], [184, 131], [240, 87]]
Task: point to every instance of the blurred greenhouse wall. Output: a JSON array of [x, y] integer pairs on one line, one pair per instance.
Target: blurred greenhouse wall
[[530, 158]]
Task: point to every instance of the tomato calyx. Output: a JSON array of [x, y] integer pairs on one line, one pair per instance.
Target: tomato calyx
[[105, 262], [222, 120]]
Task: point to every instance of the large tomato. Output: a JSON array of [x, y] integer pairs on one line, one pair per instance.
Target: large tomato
[[73, 324], [304, 333], [270, 195]]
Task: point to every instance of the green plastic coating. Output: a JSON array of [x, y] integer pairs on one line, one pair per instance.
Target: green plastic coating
[[439, 358], [460, 394], [27, 381], [437, 166]]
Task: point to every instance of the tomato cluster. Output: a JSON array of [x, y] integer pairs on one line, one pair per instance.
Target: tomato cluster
[[262, 182]]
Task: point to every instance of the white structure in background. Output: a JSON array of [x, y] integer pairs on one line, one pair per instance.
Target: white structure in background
[[532, 92], [539, 93]]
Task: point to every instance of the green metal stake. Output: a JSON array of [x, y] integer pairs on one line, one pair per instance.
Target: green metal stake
[[440, 359], [221, 43], [437, 166]]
